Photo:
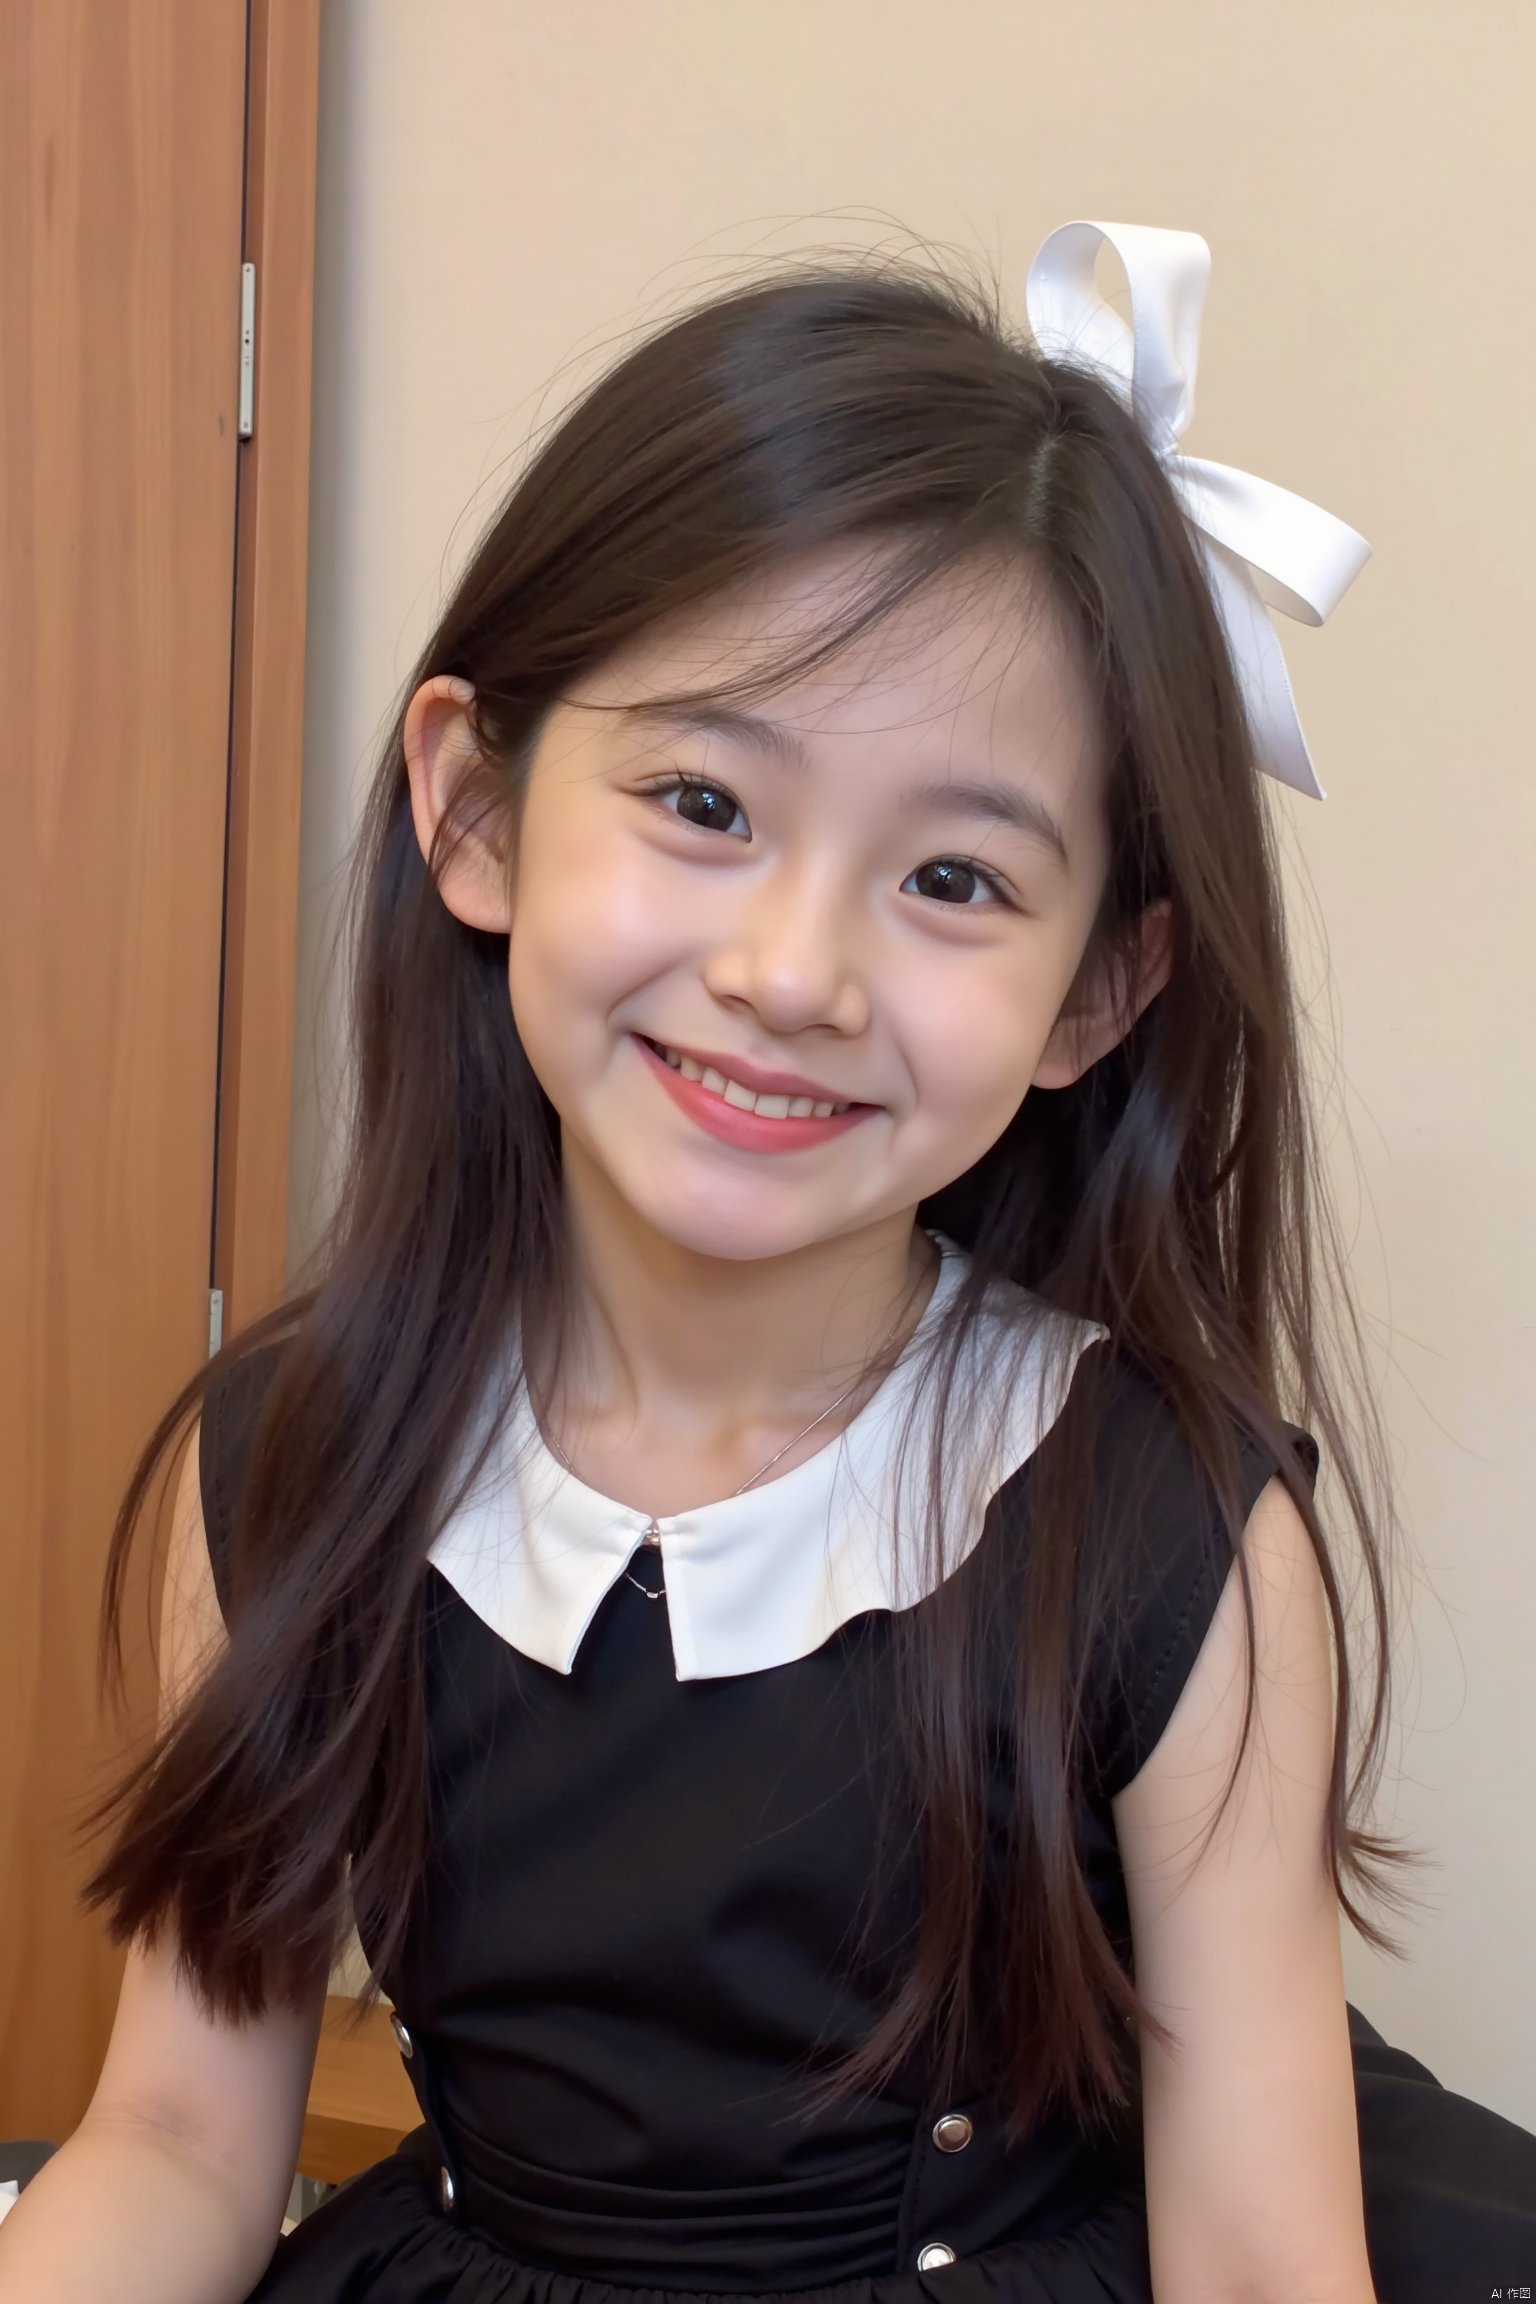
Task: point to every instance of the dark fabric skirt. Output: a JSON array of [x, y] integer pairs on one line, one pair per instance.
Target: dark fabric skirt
[[1450, 2206]]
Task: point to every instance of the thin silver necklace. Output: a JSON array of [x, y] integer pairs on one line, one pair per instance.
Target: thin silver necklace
[[652, 1534]]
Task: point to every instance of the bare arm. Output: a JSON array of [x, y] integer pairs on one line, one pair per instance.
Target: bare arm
[[171, 2190], [122, 2215], [1251, 2130]]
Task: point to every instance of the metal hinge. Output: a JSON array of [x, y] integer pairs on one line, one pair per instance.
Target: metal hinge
[[247, 350], [215, 1320]]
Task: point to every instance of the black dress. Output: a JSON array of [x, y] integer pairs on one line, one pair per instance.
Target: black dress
[[627, 1955]]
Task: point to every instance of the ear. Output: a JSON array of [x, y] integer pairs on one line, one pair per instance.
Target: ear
[[439, 747], [1094, 1023]]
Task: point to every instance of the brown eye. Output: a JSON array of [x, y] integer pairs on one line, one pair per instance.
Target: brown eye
[[708, 807], [952, 881]]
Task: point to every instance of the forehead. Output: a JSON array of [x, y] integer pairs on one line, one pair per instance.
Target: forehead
[[978, 667]]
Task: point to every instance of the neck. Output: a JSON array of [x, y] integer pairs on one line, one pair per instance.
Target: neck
[[706, 1354]]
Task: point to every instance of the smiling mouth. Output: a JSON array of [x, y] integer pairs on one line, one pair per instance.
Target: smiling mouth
[[766, 1106]]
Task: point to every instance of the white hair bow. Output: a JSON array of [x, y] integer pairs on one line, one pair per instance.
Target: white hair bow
[[1261, 544]]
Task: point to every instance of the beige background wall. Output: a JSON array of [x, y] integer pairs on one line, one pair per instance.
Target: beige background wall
[[506, 186]]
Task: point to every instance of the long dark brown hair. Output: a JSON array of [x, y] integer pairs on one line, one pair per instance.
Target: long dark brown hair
[[1173, 1194]]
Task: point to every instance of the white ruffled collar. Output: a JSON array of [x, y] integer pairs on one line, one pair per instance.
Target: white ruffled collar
[[757, 1580]]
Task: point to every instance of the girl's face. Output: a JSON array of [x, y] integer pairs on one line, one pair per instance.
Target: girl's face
[[879, 880]]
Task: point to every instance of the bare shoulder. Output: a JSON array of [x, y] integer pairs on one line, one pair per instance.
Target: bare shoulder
[[1293, 1651]]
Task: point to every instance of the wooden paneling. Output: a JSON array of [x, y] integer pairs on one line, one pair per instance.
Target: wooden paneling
[[123, 131]]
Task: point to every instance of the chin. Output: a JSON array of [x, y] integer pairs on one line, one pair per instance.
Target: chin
[[735, 1228]]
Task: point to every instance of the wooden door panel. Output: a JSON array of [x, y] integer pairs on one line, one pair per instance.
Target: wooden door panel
[[122, 157]]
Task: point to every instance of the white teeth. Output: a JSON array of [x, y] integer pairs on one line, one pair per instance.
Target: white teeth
[[745, 1099]]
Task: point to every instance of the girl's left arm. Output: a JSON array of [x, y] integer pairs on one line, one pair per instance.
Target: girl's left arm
[[1251, 2133]]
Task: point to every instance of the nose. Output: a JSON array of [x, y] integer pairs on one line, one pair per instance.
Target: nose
[[792, 949]]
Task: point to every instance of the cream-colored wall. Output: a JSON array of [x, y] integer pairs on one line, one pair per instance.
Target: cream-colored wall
[[505, 185]]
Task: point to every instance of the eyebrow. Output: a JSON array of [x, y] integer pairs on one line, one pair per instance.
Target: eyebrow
[[981, 798]]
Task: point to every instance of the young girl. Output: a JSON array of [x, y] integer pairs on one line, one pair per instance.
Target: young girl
[[770, 1570]]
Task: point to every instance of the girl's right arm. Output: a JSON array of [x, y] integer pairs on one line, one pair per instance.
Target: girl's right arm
[[172, 2188]]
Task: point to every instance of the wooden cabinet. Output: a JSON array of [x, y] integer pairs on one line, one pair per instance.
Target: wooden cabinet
[[360, 2101]]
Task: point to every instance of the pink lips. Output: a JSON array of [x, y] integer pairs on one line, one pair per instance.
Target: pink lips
[[746, 1129]]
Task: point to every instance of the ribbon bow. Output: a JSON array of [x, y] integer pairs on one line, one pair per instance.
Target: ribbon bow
[[1261, 544]]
